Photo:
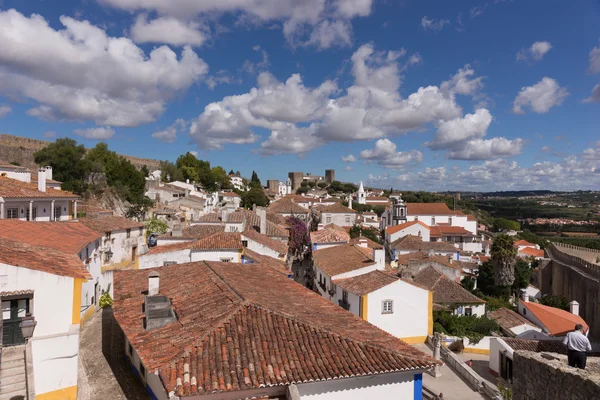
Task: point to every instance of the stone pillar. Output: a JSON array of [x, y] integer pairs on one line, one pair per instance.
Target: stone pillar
[[75, 209], [52, 211], [31, 210], [437, 345], [2, 210]]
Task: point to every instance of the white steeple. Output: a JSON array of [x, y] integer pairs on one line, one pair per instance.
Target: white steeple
[[362, 199]]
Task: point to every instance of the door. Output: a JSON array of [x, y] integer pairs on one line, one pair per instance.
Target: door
[[13, 311], [133, 251]]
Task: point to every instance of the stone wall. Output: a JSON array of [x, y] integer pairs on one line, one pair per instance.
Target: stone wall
[[20, 149], [535, 377]]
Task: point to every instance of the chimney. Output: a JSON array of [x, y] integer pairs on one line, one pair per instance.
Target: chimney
[[379, 257], [350, 201], [524, 296], [362, 242], [320, 227], [574, 307], [176, 231], [262, 214], [153, 283], [450, 259], [48, 172], [42, 179]]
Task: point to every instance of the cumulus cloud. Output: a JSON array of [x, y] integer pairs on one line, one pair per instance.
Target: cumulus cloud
[[169, 134], [477, 11], [535, 52], [291, 139], [99, 133], [433, 24], [595, 97], [168, 30], [5, 110], [80, 73], [463, 83], [540, 97], [594, 66], [348, 158], [453, 133], [384, 154], [480, 149], [592, 153], [324, 23]]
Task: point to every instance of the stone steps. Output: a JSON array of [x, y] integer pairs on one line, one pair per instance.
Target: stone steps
[[13, 377]]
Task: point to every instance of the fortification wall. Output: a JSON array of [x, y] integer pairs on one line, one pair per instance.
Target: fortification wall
[[20, 149]]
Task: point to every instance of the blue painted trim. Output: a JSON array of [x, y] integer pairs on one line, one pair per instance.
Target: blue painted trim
[[418, 387], [137, 373]]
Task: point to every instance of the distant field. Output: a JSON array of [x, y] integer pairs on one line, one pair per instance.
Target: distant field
[[571, 234]]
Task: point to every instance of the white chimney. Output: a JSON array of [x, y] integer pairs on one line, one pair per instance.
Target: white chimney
[[320, 227], [48, 172], [379, 257], [153, 283], [262, 214], [524, 296], [350, 201], [362, 242], [574, 307], [42, 179]]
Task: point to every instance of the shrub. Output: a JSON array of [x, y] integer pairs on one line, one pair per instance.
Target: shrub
[[106, 301]]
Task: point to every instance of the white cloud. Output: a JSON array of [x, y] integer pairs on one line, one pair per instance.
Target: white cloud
[[80, 73], [480, 149], [99, 133], [535, 52], [546, 149], [415, 59], [477, 11], [291, 139], [540, 97], [329, 34], [461, 83], [592, 153], [169, 134], [347, 168], [384, 154], [453, 133], [167, 30], [594, 67], [433, 24], [5, 110], [595, 97], [348, 158]]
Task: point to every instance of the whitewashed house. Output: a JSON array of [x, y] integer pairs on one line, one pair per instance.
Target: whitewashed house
[[511, 323], [328, 236], [237, 182], [264, 245], [338, 214], [414, 228], [287, 207], [16, 172], [225, 306]]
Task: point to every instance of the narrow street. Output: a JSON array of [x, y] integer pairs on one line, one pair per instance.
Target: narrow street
[[103, 371]]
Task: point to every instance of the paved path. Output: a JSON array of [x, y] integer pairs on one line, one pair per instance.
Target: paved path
[[13, 374], [481, 365], [103, 372], [450, 384]]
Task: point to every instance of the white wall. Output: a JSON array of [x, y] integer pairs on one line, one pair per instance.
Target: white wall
[[94, 268], [40, 205], [520, 329], [457, 220], [530, 316], [261, 249], [234, 226], [216, 255], [410, 315], [414, 230], [171, 240], [497, 346], [19, 174], [478, 310], [55, 361], [52, 301], [338, 218], [482, 345], [151, 260], [397, 385], [121, 246]]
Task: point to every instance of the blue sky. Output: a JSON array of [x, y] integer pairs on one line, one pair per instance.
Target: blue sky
[[432, 95]]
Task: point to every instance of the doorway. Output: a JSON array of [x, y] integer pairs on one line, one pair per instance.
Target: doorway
[[133, 253], [13, 311]]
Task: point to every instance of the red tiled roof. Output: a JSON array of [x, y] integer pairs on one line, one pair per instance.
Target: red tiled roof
[[34, 179], [397, 228], [558, 322], [428, 209], [229, 194], [508, 319], [533, 252], [299, 199], [5, 165], [200, 231], [14, 189], [370, 243], [377, 198], [167, 248], [537, 346], [275, 245], [366, 283], [211, 217], [274, 229], [330, 234], [343, 258], [287, 206], [241, 327], [235, 217], [446, 230], [220, 241], [337, 208], [471, 217], [68, 237], [110, 223], [415, 243], [445, 291], [42, 259], [523, 243], [277, 265], [404, 259]]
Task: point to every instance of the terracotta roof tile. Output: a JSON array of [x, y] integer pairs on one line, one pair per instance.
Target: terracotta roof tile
[[5, 165], [110, 223], [14, 189], [343, 258], [201, 231], [337, 208], [69, 237], [404, 259], [274, 229], [277, 265], [42, 259], [377, 198], [370, 243], [366, 283], [211, 217], [330, 234], [220, 241], [397, 228], [558, 322], [428, 209], [508, 319], [275, 245], [229, 194], [287, 206], [230, 336], [523, 243], [415, 243], [167, 248], [445, 291], [538, 346], [446, 230], [530, 251], [236, 217]]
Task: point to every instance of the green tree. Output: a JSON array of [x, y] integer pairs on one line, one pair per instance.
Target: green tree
[[67, 161], [254, 196], [157, 226], [322, 185], [312, 184], [144, 170], [221, 177], [169, 172], [522, 276], [302, 190], [556, 301], [231, 172], [255, 181], [356, 231], [504, 255]]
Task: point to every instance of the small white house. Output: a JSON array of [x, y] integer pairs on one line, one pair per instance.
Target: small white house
[[338, 214], [414, 228], [329, 236], [16, 172]]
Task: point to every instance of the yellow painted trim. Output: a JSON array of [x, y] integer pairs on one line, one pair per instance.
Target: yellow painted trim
[[240, 253], [88, 314], [69, 393], [414, 339], [364, 307], [77, 285], [476, 351], [430, 315]]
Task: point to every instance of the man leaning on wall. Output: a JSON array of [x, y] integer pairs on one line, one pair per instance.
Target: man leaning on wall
[[577, 347]]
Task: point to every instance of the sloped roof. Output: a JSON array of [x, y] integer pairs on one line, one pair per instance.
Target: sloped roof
[[331, 233], [229, 194], [558, 322], [277, 265], [537, 346], [5, 165], [287, 206], [68, 237], [523, 242], [110, 223], [445, 291], [530, 251], [447, 230], [397, 228], [428, 209], [343, 258], [337, 208], [43, 259], [210, 217], [14, 189], [275, 245], [220, 241], [235, 217], [508, 319], [366, 283], [228, 308], [273, 229], [404, 259], [370, 243], [415, 243], [167, 248]]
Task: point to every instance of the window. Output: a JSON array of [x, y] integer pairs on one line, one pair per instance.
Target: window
[[12, 213], [244, 243], [450, 221], [107, 256], [468, 311], [328, 220], [524, 311], [33, 212], [432, 221], [347, 219], [107, 236], [387, 307], [142, 372], [141, 231], [129, 349], [167, 263], [57, 213], [128, 233], [226, 259]]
